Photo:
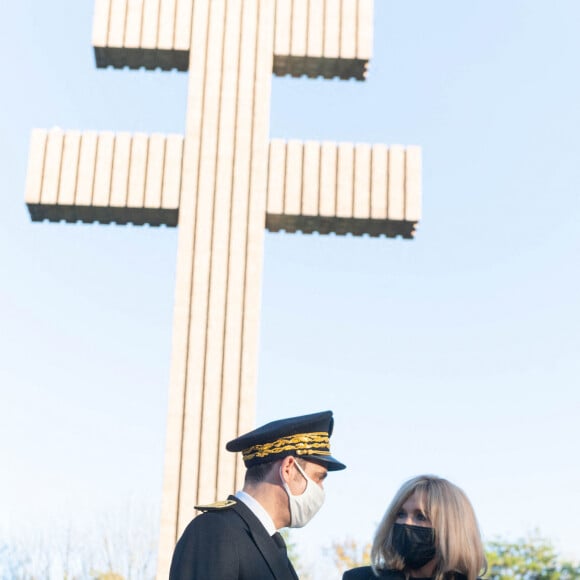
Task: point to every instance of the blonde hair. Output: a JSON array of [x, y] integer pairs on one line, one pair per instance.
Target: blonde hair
[[458, 545]]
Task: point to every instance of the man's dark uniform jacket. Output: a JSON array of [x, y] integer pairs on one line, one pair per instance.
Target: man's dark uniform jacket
[[229, 543]]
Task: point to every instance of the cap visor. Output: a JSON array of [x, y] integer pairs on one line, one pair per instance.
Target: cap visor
[[328, 461]]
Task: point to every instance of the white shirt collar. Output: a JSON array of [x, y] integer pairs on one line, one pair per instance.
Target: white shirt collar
[[258, 510]]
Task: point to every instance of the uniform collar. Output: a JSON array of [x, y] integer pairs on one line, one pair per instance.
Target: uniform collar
[[258, 510]]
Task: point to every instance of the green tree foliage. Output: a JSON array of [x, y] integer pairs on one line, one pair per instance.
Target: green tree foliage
[[107, 576], [531, 558], [350, 554]]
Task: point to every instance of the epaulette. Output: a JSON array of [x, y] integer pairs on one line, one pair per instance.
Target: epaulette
[[217, 506]]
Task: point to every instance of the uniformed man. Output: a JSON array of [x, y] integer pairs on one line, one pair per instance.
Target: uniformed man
[[287, 462]]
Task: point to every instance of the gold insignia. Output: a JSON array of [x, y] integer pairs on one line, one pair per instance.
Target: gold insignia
[[303, 443], [218, 505]]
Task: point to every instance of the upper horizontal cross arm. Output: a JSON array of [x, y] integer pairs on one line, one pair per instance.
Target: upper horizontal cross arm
[[328, 38]]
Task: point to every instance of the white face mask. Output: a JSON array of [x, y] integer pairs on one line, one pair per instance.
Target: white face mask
[[303, 507]]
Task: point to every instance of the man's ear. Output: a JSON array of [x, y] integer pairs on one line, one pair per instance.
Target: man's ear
[[286, 467]]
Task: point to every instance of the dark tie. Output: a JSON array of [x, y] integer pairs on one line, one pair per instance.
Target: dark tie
[[277, 537], [281, 544]]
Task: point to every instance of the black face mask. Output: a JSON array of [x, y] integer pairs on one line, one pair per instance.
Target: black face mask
[[415, 544]]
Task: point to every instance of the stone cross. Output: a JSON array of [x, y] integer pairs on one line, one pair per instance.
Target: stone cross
[[223, 183]]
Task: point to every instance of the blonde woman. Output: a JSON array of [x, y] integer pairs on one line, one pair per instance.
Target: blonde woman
[[428, 531]]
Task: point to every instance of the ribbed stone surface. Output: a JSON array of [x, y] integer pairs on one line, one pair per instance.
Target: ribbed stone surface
[[91, 177], [123, 178], [327, 38], [343, 188], [223, 183]]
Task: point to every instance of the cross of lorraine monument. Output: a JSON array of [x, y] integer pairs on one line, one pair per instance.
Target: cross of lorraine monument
[[223, 183]]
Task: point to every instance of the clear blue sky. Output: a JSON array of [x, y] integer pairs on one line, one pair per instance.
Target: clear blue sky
[[456, 353]]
